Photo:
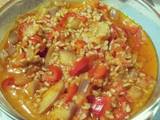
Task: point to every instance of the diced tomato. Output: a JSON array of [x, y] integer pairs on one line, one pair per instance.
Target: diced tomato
[[71, 92], [100, 105], [57, 74], [80, 66], [49, 35], [8, 82], [80, 44], [99, 71], [36, 39]]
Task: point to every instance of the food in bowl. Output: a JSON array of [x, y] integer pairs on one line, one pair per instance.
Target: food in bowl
[[66, 60]]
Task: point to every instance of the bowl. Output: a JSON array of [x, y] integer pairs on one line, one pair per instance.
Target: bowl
[[142, 13]]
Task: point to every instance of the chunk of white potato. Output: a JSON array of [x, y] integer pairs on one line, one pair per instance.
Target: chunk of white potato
[[63, 113], [50, 96], [73, 23], [60, 114], [135, 93], [97, 32], [67, 57], [31, 30]]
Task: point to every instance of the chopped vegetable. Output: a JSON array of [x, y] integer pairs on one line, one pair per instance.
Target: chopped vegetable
[[8, 82], [99, 71], [98, 31], [80, 44], [67, 57], [57, 74], [83, 87], [135, 93], [71, 92], [49, 54], [64, 20], [13, 38], [50, 96], [134, 33], [43, 52], [60, 114], [80, 66]]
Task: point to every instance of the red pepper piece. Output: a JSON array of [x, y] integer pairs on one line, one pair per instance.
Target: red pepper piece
[[8, 82], [80, 66], [71, 92], [99, 71], [57, 74]]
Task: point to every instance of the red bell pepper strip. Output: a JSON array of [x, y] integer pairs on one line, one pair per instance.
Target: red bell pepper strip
[[57, 74], [72, 90], [80, 66], [8, 82], [99, 72]]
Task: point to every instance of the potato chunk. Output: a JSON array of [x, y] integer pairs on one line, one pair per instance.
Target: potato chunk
[[67, 57], [97, 32], [60, 114], [50, 96]]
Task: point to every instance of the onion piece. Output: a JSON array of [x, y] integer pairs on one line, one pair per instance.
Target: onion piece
[[49, 54], [11, 49], [53, 11], [13, 38], [50, 96], [83, 87], [3, 54]]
